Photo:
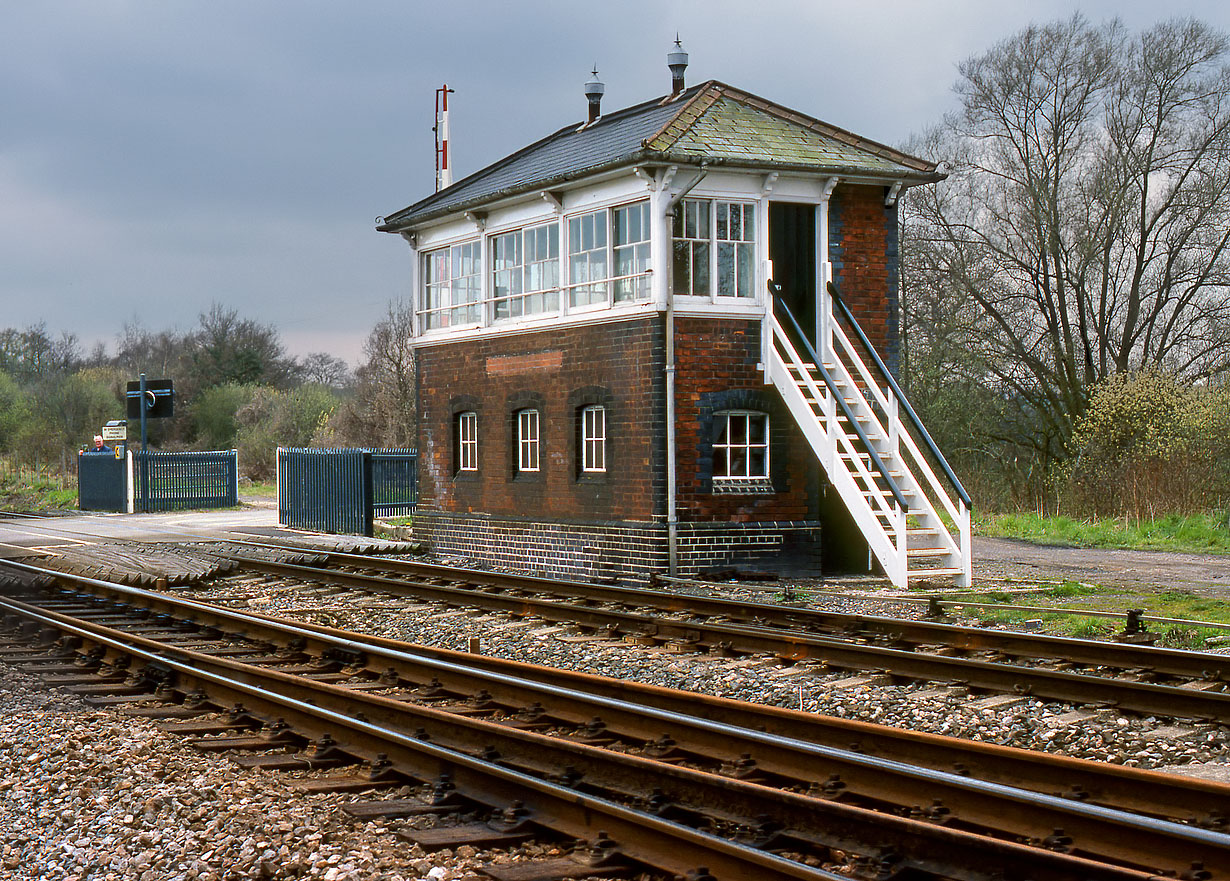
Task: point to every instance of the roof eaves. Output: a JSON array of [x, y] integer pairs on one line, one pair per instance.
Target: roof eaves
[[910, 176], [395, 224], [391, 223]]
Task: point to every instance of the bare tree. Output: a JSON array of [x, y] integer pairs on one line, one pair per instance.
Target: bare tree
[[1083, 229], [227, 348], [325, 369], [381, 412]]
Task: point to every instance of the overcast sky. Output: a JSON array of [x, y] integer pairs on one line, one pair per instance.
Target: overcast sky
[[159, 156]]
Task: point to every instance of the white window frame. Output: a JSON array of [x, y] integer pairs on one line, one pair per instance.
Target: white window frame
[[614, 287], [737, 244], [582, 260], [534, 288], [452, 307], [467, 441], [528, 458], [726, 451], [698, 223], [631, 258], [593, 439]]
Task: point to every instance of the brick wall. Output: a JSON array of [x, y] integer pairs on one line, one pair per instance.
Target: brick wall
[[863, 250], [619, 366], [716, 369], [623, 551]]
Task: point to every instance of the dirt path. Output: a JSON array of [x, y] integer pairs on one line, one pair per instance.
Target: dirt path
[[996, 559]]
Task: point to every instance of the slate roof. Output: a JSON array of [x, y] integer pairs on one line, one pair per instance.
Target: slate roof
[[711, 121]]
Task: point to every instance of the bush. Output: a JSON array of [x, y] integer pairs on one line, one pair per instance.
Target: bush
[[1150, 445], [273, 419], [214, 414]]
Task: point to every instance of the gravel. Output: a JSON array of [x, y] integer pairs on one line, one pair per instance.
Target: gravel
[[92, 795], [1067, 729]]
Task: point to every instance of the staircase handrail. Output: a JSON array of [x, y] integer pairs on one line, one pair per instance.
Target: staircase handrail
[[901, 398], [845, 409]]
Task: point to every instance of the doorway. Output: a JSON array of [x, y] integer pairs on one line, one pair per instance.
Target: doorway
[[792, 248]]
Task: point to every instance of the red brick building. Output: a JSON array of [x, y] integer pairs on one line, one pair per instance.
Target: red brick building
[[608, 382]]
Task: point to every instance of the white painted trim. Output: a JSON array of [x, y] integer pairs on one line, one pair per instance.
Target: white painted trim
[[554, 322]]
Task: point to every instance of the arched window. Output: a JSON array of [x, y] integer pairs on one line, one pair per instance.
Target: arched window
[[467, 441], [593, 439], [527, 441]]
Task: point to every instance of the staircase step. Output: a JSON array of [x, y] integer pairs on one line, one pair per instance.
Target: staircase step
[[933, 573], [927, 552]]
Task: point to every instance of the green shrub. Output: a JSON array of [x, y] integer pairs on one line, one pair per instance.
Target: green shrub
[[1150, 445]]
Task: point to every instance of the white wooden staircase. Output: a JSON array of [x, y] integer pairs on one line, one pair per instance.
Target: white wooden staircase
[[851, 414]]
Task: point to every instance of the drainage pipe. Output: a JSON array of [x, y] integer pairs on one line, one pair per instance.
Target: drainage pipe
[[672, 517]]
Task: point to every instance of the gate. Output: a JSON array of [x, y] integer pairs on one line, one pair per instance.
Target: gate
[[179, 481], [102, 482], [343, 491]]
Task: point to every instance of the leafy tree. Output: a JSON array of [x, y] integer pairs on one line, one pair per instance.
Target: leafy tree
[[1150, 444], [15, 412], [1083, 229], [273, 419], [68, 411], [214, 414]]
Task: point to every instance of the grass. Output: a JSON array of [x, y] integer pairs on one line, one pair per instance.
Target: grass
[[264, 490], [1073, 597], [31, 490], [1194, 533]]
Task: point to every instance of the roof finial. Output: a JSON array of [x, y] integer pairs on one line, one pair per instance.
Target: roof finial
[[677, 61], [594, 90]]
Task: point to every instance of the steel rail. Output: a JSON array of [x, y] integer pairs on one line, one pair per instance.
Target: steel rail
[[930, 443], [513, 685], [1149, 698], [644, 837], [1125, 656], [1150, 845]]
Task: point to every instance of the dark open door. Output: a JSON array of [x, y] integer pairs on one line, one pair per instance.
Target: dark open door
[[792, 248]]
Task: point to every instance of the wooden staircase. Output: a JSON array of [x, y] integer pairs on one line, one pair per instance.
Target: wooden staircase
[[851, 412]]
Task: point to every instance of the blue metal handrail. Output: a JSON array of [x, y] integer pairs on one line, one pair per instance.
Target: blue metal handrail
[[845, 408], [902, 399]]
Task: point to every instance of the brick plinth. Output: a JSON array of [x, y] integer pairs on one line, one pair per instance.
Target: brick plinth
[[622, 550]]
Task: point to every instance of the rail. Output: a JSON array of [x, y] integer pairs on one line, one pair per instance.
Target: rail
[[833, 390], [904, 401]]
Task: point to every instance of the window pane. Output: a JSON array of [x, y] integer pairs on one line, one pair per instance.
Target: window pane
[[745, 254], [467, 432], [726, 269], [587, 260], [682, 268], [700, 266], [593, 439], [756, 428]]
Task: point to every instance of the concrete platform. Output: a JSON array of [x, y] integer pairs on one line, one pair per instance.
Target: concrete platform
[[19, 536]]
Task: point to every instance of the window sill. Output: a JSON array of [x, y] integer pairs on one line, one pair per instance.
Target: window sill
[[746, 486]]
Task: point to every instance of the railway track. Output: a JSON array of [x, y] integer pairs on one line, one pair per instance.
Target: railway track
[[605, 746], [1136, 678]]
